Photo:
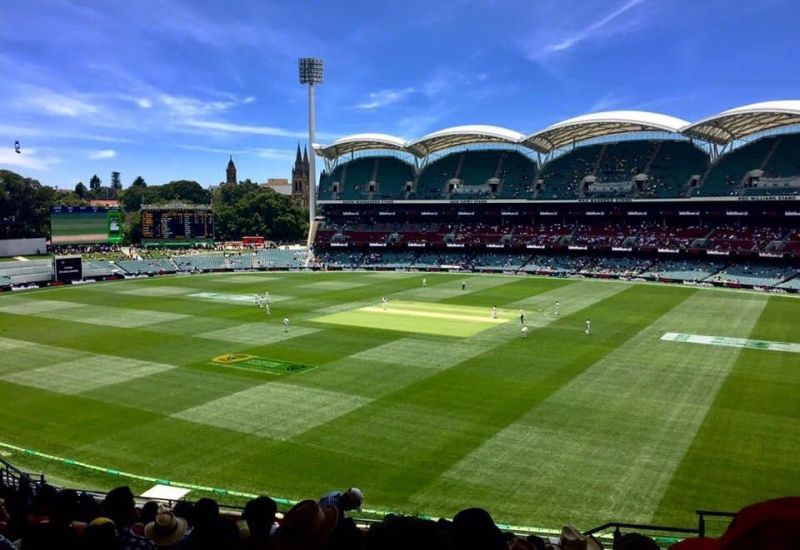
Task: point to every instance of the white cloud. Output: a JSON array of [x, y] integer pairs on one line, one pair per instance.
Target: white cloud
[[29, 158], [276, 154], [382, 98], [103, 154], [554, 39], [59, 104], [144, 103], [191, 107], [232, 128], [248, 100]]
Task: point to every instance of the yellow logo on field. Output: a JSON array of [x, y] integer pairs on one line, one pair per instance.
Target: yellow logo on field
[[228, 358]]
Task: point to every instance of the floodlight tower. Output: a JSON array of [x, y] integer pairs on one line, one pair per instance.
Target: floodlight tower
[[311, 74]]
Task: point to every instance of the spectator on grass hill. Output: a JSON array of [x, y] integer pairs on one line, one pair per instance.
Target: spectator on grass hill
[[351, 499], [121, 508]]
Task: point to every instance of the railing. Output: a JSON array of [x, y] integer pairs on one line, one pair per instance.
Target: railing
[[10, 475]]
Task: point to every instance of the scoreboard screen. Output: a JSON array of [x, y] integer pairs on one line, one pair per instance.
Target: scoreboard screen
[[67, 269], [177, 224], [85, 225]]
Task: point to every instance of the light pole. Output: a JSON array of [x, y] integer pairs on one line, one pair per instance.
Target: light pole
[[311, 74]]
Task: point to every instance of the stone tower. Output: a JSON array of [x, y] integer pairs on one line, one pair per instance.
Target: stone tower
[[300, 177], [230, 172]]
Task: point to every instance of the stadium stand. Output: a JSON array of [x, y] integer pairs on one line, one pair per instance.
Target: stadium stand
[[754, 274], [432, 182], [517, 174], [672, 170], [726, 177], [147, 267], [683, 270], [280, 258], [562, 177], [20, 273]]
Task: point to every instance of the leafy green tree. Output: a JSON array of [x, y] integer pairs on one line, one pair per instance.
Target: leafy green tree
[[24, 206], [139, 182], [95, 183], [81, 190]]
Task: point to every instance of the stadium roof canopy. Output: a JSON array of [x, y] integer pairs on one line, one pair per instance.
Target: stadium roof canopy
[[596, 125], [463, 135], [744, 121], [360, 142]]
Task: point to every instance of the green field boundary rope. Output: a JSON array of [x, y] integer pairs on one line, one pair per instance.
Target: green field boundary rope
[[220, 491]]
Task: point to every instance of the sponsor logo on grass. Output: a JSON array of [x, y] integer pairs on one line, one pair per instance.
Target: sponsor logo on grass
[[789, 347], [256, 363]]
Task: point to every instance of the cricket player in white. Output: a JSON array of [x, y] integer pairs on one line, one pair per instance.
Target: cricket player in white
[[424, 282], [588, 327], [558, 308], [269, 310], [285, 324], [385, 301], [524, 331], [494, 312]]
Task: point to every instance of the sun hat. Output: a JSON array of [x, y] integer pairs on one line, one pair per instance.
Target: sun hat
[[306, 524], [166, 529], [572, 539]]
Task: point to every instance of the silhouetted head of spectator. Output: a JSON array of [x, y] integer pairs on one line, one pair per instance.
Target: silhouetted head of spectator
[[307, 526], [148, 512], [184, 509], [475, 528], [401, 533], [635, 541], [88, 508], [64, 507], [101, 534], [120, 507], [206, 510], [260, 515], [45, 497], [352, 499]]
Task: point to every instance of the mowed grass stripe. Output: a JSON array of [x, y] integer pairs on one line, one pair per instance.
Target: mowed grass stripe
[[619, 429], [278, 411], [85, 373], [381, 369], [747, 448], [430, 425]]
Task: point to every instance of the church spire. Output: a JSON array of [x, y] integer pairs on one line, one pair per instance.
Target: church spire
[[230, 172], [305, 155], [298, 159]]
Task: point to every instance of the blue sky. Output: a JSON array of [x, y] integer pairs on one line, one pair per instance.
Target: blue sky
[[167, 89]]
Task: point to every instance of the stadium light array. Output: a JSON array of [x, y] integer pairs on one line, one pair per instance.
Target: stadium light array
[[311, 74]]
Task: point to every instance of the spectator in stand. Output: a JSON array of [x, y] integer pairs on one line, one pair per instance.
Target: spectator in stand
[[185, 509], [635, 541], [88, 508], [121, 508], [474, 529], [101, 534], [259, 514], [206, 512], [351, 499], [166, 530], [307, 526], [402, 533]]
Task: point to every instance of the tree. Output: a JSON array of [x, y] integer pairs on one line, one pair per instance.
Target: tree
[[94, 183], [24, 206], [139, 182], [81, 190]]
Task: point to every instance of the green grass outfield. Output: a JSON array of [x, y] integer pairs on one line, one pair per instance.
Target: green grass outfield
[[429, 407]]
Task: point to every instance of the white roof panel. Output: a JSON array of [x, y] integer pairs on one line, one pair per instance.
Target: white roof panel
[[463, 135], [360, 142], [594, 125], [741, 122]]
